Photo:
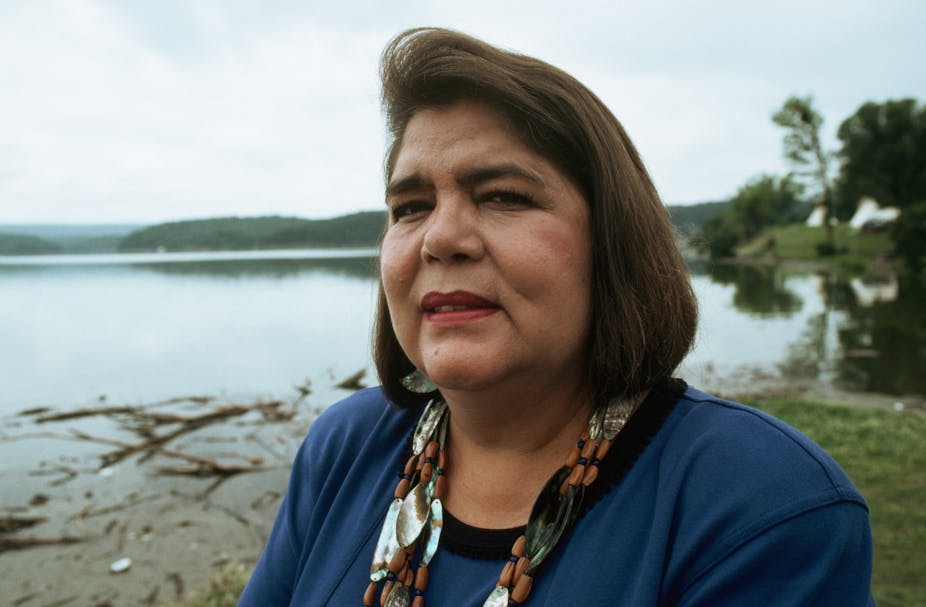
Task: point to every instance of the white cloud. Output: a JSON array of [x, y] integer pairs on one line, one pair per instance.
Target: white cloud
[[140, 111]]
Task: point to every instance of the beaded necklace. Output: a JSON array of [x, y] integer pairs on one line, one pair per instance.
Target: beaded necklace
[[412, 527]]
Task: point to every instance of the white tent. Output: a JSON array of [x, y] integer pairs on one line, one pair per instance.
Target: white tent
[[815, 220], [868, 210]]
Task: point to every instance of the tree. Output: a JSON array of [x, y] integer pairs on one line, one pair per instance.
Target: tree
[[804, 151], [764, 201], [910, 236], [883, 155]]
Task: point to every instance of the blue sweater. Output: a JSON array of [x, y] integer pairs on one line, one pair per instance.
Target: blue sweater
[[720, 505]]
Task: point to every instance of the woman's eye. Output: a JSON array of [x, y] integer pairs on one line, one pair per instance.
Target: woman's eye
[[409, 210], [508, 198]]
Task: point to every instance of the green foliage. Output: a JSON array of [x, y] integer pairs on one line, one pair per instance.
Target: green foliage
[[235, 233], [23, 244], [764, 201], [720, 237], [883, 155], [909, 235], [882, 451]]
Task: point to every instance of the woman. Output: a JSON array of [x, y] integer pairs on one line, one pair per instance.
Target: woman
[[532, 293]]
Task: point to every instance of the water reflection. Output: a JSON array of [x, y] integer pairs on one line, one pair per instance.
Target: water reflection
[[363, 268], [868, 335], [157, 327], [760, 290], [884, 342]]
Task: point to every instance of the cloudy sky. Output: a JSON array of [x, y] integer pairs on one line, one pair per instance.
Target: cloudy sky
[[144, 111]]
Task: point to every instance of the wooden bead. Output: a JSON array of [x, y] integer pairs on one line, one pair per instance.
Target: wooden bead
[[507, 575], [421, 579], [409, 577], [602, 449], [573, 458], [518, 548], [418, 601], [441, 460], [431, 449], [589, 450], [564, 486], [411, 465], [426, 471], [576, 477], [397, 561], [369, 597], [522, 588], [585, 434], [401, 490], [519, 569], [591, 473]]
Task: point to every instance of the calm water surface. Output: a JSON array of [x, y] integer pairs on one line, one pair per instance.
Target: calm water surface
[[140, 328]]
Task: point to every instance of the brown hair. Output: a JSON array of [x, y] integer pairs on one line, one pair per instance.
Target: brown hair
[[643, 308]]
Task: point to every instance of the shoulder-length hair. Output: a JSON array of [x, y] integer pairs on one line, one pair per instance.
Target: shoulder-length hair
[[643, 308]]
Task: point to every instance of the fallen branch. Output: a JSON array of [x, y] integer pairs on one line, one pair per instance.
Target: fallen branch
[[10, 524], [353, 382], [78, 413], [21, 543]]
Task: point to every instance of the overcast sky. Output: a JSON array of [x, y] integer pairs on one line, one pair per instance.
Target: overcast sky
[[145, 111]]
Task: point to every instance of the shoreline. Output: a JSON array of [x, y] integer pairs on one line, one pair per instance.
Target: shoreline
[[203, 501]]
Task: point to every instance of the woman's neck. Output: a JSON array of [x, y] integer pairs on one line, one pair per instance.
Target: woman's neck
[[503, 447]]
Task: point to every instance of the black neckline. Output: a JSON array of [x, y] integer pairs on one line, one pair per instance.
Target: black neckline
[[476, 542]]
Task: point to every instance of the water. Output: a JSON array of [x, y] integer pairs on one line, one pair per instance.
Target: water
[[75, 330]]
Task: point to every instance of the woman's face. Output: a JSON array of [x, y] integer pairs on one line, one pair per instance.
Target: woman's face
[[486, 263]]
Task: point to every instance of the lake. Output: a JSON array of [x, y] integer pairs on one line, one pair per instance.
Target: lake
[[78, 330]]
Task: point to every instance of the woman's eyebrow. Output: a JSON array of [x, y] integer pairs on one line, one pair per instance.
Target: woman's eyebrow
[[468, 178], [407, 184], [479, 175]]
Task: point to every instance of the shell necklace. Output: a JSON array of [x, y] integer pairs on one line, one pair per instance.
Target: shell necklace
[[414, 519]]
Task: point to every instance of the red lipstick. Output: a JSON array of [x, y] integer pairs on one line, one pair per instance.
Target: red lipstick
[[456, 307]]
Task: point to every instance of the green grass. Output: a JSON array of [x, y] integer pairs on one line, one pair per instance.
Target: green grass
[[223, 590], [884, 453], [799, 242]]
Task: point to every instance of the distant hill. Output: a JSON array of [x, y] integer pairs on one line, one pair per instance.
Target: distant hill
[[244, 233], [79, 238], [24, 244], [690, 219], [274, 232]]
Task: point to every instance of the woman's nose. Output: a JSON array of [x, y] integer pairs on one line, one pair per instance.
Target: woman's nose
[[452, 232]]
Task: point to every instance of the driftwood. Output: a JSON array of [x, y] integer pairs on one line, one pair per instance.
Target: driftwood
[[353, 382], [11, 524], [152, 432], [21, 543]]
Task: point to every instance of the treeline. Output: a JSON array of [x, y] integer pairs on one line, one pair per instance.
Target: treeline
[[882, 155], [274, 232], [25, 244]]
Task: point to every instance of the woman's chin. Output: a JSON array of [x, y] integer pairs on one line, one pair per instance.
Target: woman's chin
[[464, 378]]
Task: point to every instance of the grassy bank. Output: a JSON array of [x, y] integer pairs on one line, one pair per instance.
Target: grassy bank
[[797, 242], [883, 452]]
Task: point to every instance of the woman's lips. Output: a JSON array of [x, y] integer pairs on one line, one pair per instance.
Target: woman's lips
[[456, 307]]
